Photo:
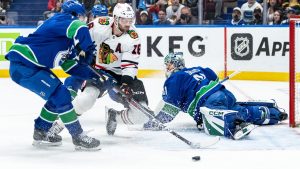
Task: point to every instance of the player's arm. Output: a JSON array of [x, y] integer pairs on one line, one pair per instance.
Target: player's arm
[[78, 31], [74, 68], [168, 107]]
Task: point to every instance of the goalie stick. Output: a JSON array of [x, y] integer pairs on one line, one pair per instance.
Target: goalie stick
[[148, 113]]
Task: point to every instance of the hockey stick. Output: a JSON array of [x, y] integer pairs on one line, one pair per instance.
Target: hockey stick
[[148, 113], [230, 76]]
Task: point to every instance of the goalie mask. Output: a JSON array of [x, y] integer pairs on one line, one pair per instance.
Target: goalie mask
[[173, 62], [124, 16]]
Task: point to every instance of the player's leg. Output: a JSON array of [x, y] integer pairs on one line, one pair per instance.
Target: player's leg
[[44, 83], [60, 102], [29, 78], [225, 123], [83, 102], [264, 112], [219, 117], [129, 115], [73, 84]]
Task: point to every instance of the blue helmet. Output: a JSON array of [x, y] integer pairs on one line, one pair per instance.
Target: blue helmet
[[73, 7], [100, 10]]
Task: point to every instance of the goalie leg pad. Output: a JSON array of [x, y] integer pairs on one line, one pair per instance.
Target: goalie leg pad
[[219, 122]]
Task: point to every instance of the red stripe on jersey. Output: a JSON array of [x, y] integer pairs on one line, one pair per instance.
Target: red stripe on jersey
[[127, 65], [100, 67]]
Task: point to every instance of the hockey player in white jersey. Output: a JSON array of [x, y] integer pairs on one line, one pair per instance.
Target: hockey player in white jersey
[[118, 53]]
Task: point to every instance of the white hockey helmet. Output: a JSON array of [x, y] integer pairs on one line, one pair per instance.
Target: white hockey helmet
[[123, 15], [123, 10]]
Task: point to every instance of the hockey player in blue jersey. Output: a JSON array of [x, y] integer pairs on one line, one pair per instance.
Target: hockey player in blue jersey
[[73, 83], [52, 45], [197, 91]]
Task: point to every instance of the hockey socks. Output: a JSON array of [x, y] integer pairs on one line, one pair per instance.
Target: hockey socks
[[45, 120], [69, 118]]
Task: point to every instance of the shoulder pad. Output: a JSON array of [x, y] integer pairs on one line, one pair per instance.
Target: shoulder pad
[[133, 34], [103, 20]]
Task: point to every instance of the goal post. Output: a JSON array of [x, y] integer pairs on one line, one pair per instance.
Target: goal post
[[294, 71]]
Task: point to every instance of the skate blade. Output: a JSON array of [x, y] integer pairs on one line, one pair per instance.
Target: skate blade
[[45, 144], [80, 148]]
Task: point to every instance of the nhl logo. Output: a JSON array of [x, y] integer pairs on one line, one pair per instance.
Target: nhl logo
[[241, 46]]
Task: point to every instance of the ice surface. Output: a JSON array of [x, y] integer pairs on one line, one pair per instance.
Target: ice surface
[[266, 147]]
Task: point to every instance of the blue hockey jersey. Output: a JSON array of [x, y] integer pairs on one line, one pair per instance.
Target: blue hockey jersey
[[188, 88], [53, 43]]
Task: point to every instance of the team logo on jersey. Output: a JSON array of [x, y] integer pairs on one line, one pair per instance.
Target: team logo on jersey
[[241, 46], [103, 21], [133, 34], [106, 55]]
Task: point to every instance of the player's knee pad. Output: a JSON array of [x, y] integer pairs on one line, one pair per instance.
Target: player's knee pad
[[139, 92], [86, 99], [219, 122], [40, 81]]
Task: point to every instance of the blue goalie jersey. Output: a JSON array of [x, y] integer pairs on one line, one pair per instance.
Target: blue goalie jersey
[[188, 88]]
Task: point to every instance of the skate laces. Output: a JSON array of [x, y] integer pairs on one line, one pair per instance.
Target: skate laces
[[86, 138], [56, 129]]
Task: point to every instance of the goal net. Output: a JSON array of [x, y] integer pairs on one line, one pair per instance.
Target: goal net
[[294, 80]]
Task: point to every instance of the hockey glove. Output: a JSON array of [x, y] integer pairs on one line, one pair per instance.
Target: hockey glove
[[153, 125], [89, 57], [104, 83], [126, 90]]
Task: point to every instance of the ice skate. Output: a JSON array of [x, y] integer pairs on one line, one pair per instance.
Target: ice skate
[[243, 130], [111, 121], [42, 138], [57, 127], [86, 143], [283, 115]]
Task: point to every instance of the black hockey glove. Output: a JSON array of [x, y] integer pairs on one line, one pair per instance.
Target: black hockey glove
[[126, 90], [126, 82]]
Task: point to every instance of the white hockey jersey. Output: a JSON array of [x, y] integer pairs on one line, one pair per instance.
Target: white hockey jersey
[[118, 54]]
